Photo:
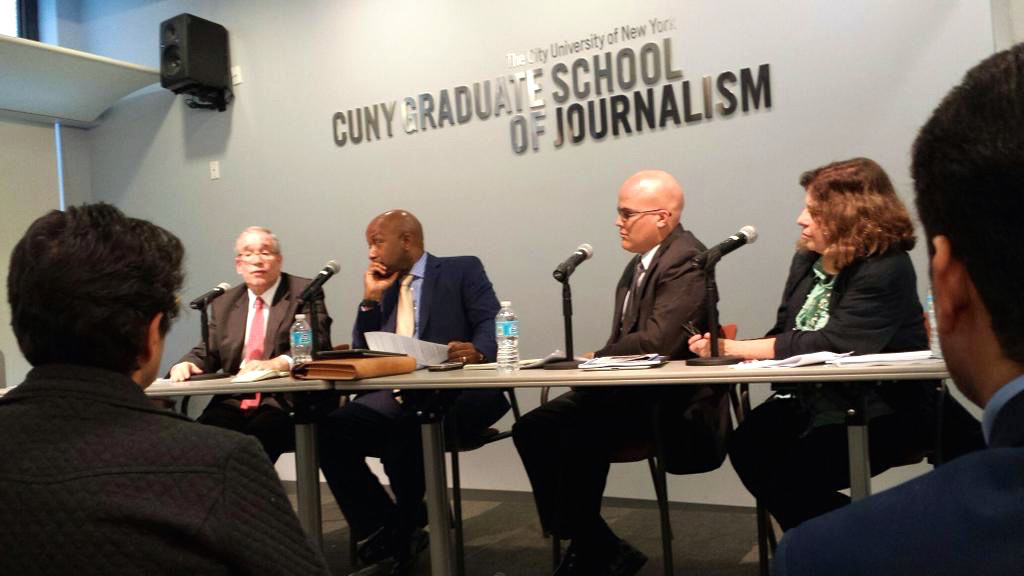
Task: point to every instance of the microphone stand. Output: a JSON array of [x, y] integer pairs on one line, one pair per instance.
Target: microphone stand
[[204, 332], [204, 327], [710, 291], [569, 362], [310, 300]]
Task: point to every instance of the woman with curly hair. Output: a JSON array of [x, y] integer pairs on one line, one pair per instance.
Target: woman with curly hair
[[851, 288]]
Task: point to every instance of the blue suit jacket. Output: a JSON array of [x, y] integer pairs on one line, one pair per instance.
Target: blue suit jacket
[[965, 517], [457, 302]]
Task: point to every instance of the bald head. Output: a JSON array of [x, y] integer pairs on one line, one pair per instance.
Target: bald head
[[657, 188], [650, 204], [402, 223], [395, 239]]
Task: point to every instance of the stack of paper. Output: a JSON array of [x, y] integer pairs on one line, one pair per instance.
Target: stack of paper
[[792, 361], [528, 363], [632, 362], [884, 359], [424, 352], [257, 375], [555, 356]]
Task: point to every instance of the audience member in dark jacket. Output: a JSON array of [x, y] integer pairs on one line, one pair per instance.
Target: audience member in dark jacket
[[93, 478]]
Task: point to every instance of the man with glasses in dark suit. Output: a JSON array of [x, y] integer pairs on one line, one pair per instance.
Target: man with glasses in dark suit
[[566, 444]]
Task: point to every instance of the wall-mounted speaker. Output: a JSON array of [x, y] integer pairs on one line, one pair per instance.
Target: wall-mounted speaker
[[194, 60]]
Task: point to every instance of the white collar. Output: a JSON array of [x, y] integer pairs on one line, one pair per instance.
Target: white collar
[[267, 296], [648, 257]]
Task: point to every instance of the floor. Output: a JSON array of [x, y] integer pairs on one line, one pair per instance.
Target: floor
[[503, 536]]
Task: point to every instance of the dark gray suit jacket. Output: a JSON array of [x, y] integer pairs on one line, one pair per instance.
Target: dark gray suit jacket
[[672, 293], [694, 420], [227, 326], [95, 480]]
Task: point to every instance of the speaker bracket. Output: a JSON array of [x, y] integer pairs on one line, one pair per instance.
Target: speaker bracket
[[209, 98]]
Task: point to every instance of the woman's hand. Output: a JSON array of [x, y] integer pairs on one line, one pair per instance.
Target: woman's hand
[[700, 344]]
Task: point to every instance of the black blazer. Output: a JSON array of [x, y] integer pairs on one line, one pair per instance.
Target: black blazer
[[227, 326], [693, 421], [672, 293], [873, 308], [95, 480], [962, 518]]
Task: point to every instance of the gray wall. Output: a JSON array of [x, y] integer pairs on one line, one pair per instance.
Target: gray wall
[[28, 188], [846, 81]]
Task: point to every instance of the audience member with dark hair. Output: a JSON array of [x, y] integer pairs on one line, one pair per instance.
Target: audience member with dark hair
[[851, 288], [964, 517], [93, 478]]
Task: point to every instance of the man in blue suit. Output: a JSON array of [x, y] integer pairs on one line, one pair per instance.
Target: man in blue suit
[[967, 516], [412, 293]]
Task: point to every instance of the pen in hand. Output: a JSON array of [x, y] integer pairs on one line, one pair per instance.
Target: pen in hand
[[690, 328]]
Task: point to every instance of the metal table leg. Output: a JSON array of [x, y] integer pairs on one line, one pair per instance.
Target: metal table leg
[[437, 499], [857, 446], [307, 479]]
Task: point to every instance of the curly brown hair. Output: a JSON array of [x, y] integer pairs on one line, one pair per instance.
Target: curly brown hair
[[855, 205]]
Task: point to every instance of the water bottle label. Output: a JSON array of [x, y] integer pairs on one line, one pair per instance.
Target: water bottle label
[[302, 338], [507, 328]]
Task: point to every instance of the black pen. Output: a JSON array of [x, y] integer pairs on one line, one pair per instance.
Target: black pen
[[689, 327]]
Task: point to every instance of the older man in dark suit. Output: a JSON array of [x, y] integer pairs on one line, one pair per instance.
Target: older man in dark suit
[[446, 300], [249, 330], [93, 478], [966, 516], [566, 444]]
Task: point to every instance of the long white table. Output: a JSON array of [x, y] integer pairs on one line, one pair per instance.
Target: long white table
[[673, 373], [307, 474]]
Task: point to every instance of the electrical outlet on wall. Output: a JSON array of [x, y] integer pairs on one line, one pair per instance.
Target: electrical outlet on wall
[[236, 75], [214, 170]]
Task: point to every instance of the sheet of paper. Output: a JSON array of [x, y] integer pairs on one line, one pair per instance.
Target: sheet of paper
[[257, 375], [882, 359], [792, 361], [424, 352], [494, 365], [630, 361]]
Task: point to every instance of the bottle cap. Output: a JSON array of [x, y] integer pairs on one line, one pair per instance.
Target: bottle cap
[[506, 303], [300, 316]]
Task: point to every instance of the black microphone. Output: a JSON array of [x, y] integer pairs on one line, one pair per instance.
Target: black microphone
[[205, 299], [565, 269], [330, 269], [711, 256]]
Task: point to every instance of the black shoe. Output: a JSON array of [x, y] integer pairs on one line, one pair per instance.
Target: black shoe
[[374, 570], [627, 561], [575, 564], [377, 547], [409, 553]]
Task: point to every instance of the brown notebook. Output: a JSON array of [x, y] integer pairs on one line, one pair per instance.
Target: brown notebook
[[354, 368]]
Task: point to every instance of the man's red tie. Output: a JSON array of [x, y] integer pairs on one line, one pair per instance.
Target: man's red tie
[[254, 346]]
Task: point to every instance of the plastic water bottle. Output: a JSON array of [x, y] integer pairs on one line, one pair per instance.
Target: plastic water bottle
[[506, 327], [933, 328], [302, 340]]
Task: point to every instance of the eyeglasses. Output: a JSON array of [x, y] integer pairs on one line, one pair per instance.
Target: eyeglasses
[[626, 213], [262, 255]]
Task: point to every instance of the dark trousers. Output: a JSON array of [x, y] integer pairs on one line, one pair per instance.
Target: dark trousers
[[357, 430], [797, 472], [272, 426], [566, 447]]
